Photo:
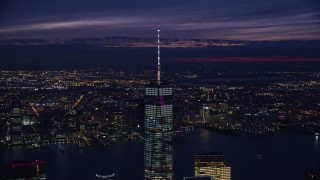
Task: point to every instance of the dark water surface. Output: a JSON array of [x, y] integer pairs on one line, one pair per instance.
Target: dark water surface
[[284, 156]]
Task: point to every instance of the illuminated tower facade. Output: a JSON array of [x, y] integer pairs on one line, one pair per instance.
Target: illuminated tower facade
[[213, 165], [158, 126]]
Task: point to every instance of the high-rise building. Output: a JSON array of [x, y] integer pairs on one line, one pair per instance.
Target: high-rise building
[[15, 126], [158, 126], [45, 125], [205, 114], [211, 164]]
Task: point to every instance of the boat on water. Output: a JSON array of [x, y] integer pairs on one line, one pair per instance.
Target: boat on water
[[105, 174]]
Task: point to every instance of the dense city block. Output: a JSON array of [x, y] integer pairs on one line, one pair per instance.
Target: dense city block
[[94, 105]]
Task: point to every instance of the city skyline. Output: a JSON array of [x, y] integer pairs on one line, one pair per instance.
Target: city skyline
[[207, 19], [84, 94]]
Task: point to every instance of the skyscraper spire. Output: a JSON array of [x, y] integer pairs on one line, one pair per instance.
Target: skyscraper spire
[[158, 74], [158, 128]]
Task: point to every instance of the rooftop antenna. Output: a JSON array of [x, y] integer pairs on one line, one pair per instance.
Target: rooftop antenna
[[158, 75]]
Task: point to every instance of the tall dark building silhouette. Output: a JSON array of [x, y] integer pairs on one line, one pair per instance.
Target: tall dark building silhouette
[[15, 126], [158, 125]]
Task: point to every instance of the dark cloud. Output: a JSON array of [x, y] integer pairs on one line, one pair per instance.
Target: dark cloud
[[228, 19]]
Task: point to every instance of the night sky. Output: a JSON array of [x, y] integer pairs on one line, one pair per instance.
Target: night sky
[[190, 19]]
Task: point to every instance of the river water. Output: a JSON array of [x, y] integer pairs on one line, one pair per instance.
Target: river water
[[285, 155]]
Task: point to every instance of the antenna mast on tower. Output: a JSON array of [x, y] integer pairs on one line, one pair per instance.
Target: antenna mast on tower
[[158, 75]]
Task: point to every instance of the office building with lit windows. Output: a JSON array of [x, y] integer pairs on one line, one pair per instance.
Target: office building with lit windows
[[158, 126], [211, 164]]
